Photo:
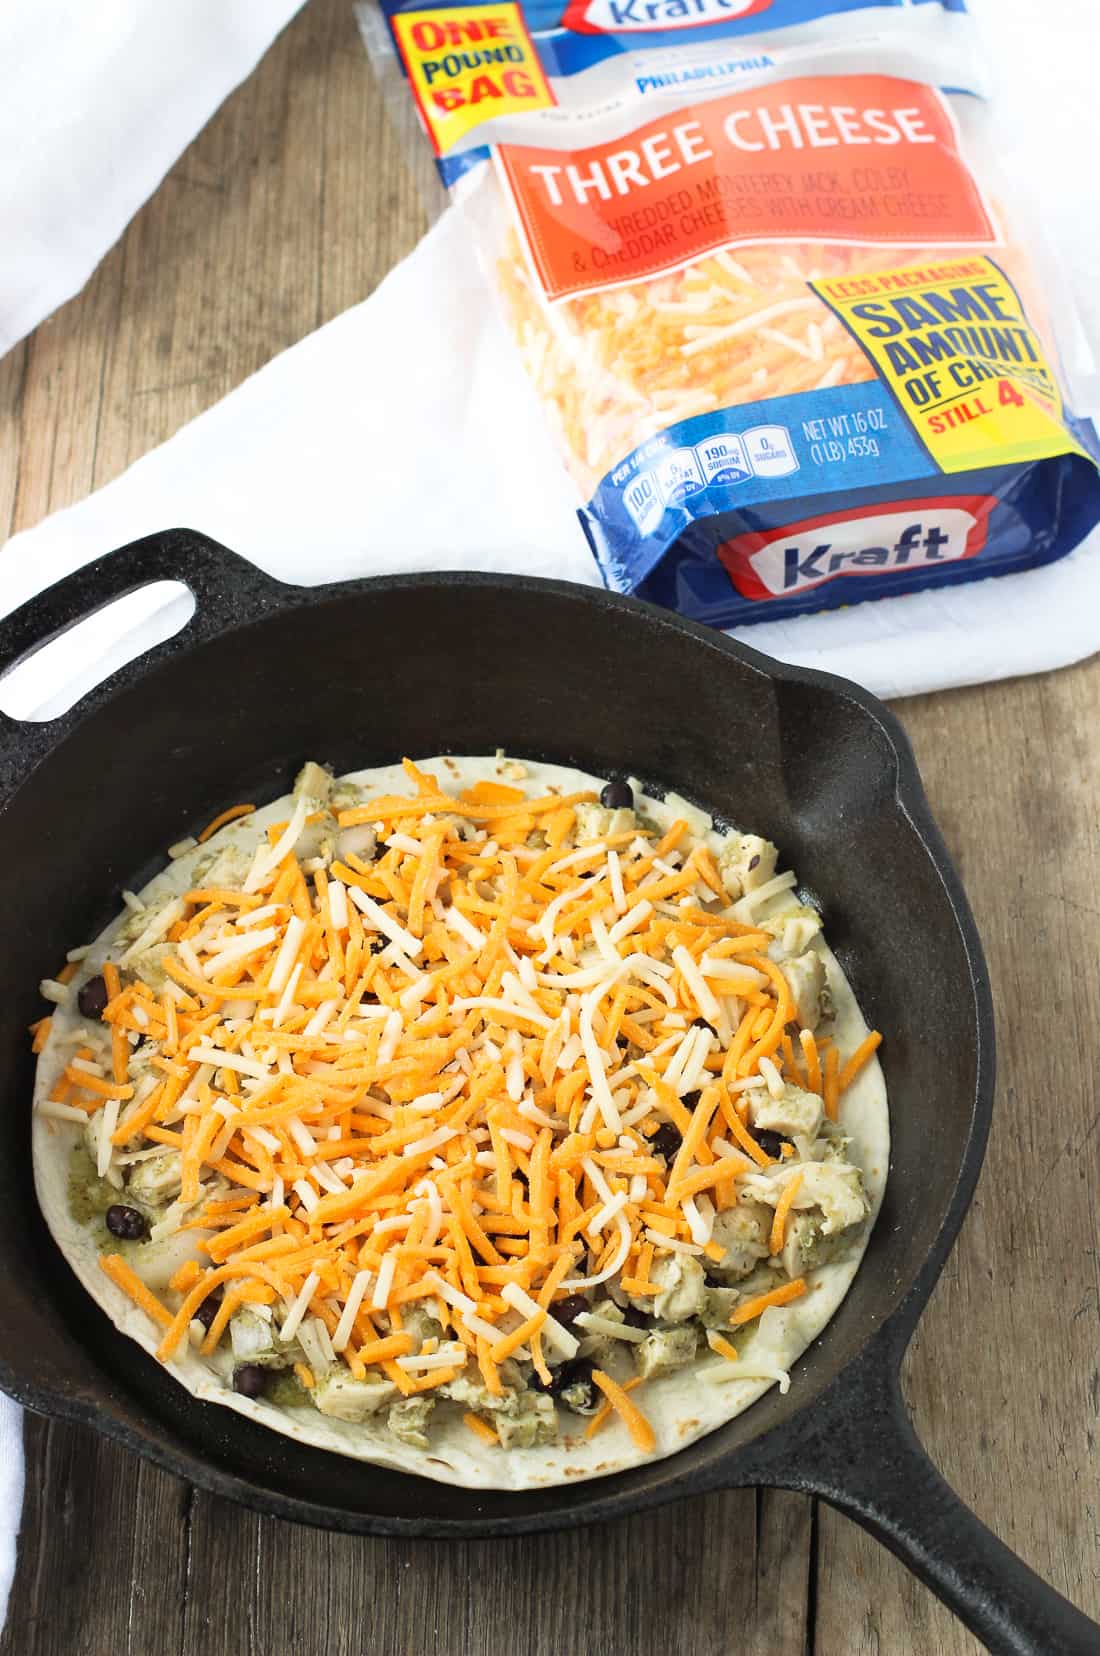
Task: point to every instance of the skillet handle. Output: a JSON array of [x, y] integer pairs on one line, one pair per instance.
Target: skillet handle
[[224, 586], [227, 590], [862, 1455]]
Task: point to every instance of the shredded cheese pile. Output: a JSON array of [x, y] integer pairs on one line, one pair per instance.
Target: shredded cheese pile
[[616, 366], [410, 1079]]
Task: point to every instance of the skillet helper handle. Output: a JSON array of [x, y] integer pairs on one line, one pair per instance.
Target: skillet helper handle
[[863, 1457], [225, 587]]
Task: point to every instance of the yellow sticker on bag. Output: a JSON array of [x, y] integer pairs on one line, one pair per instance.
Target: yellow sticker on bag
[[954, 344], [469, 64]]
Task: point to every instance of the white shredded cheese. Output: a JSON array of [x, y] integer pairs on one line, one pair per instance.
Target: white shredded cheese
[[386, 924], [384, 1283], [359, 1286], [297, 1311], [594, 1324]]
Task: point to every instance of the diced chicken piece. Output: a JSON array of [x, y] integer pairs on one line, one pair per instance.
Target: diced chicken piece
[[832, 1146], [745, 862], [664, 1351], [596, 822], [794, 1114], [718, 1304], [682, 1284], [156, 1263], [226, 866], [345, 1398], [793, 930], [743, 1232], [535, 1421], [358, 841], [418, 1322], [807, 1245], [157, 1180], [602, 1348], [469, 1390], [251, 1338], [806, 975], [314, 781], [836, 1188], [408, 1420]]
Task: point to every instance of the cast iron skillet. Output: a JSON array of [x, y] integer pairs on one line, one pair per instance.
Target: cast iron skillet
[[265, 675]]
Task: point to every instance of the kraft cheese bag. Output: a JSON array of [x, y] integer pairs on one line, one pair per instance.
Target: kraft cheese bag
[[797, 343]]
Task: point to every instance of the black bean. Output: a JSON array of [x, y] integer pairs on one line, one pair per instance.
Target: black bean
[[567, 1310], [690, 1099], [208, 1310], [666, 1141], [576, 1373], [127, 1223], [250, 1379], [633, 1317], [701, 1023], [771, 1143], [92, 999], [617, 796], [581, 1380]]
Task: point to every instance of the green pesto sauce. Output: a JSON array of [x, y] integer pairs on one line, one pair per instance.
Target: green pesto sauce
[[286, 1390], [89, 1195]]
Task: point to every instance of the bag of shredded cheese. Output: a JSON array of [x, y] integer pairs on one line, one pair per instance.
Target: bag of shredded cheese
[[782, 315]]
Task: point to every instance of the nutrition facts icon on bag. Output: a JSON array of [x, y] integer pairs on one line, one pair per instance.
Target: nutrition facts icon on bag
[[723, 460], [642, 501], [678, 475], [770, 451]]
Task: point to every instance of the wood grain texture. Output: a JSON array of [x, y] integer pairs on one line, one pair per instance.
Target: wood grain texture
[[291, 206]]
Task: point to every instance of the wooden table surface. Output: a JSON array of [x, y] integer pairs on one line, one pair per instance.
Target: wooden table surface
[[291, 206]]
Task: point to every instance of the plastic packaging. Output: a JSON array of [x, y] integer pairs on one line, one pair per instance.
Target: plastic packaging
[[797, 342]]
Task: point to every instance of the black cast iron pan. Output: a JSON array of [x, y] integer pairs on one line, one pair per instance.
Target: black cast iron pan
[[265, 675]]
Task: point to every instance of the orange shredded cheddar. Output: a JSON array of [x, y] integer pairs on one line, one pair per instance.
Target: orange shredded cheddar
[[831, 1087], [186, 1277], [751, 1308], [229, 815], [633, 1418], [605, 1411], [782, 1210], [121, 1274], [813, 1061], [480, 1428], [420, 1075], [869, 1045]]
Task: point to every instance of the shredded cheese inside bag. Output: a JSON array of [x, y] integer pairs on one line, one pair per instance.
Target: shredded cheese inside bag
[[768, 289]]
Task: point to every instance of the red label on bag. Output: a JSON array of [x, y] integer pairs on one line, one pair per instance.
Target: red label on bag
[[851, 158], [904, 535], [653, 16]]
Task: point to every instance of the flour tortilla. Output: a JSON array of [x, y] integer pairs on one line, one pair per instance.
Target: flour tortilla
[[681, 1406]]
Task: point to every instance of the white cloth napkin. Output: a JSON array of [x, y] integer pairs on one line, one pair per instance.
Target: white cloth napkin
[[403, 436]]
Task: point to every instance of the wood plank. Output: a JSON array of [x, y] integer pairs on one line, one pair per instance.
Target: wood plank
[[151, 1565], [1003, 1375]]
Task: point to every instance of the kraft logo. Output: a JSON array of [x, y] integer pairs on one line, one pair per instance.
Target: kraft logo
[[911, 534], [652, 16]]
